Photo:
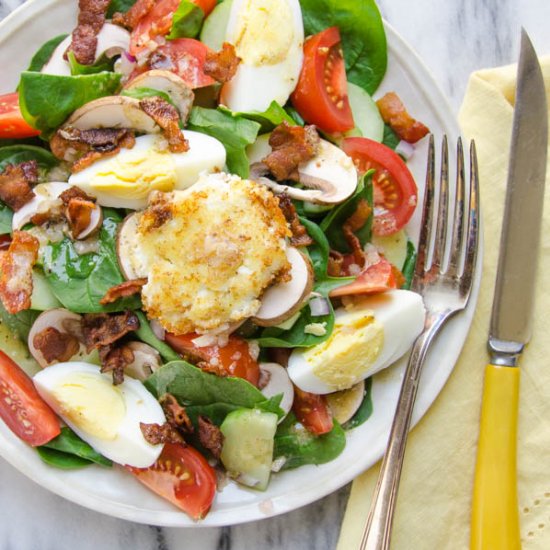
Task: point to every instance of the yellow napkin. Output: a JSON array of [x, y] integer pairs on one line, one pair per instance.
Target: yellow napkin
[[433, 510]]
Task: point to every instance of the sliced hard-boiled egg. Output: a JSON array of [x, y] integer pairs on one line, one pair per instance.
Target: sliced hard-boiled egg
[[268, 36], [367, 337], [126, 179], [105, 416]]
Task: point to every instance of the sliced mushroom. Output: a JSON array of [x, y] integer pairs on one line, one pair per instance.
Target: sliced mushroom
[[112, 40], [344, 404], [96, 221], [331, 176], [113, 112], [277, 382], [171, 84], [283, 300], [146, 361], [64, 321], [127, 248], [45, 199]]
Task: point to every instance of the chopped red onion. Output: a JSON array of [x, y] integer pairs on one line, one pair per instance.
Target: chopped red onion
[[405, 149], [319, 306], [130, 57]]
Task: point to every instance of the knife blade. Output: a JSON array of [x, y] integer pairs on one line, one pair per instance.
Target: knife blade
[[495, 520]]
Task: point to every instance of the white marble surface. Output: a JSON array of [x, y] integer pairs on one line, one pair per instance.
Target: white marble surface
[[454, 38]]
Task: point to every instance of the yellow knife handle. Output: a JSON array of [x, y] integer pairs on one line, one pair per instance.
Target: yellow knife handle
[[495, 521]]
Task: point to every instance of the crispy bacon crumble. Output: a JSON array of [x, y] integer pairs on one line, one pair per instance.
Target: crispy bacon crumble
[[222, 65]]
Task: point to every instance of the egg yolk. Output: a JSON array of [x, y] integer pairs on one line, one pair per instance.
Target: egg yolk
[[92, 404], [264, 32], [353, 347], [135, 174]]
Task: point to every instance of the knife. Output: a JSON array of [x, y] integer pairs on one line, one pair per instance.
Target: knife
[[495, 521]]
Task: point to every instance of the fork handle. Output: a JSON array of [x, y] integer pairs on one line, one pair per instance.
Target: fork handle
[[377, 530], [495, 522]]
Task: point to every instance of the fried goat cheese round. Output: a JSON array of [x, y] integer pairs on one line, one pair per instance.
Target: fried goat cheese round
[[209, 252]]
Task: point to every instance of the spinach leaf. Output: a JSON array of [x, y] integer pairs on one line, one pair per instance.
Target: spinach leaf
[[142, 93], [121, 6], [235, 132], [409, 265], [20, 323], [332, 224], [69, 451], [390, 139], [299, 447], [145, 334], [47, 100], [186, 21], [206, 394], [268, 119], [14, 154], [42, 56], [6, 215], [103, 64], [295, 115], [364, 411], [362, 32], [79, 282]]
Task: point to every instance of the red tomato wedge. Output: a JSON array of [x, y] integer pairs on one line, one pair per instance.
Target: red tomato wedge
[[184, 57], [22, 409], [234, 358], [312, 411], [12, 123], [395, 191], [206, 5], [379, 277], [321, 96], [182, 476]]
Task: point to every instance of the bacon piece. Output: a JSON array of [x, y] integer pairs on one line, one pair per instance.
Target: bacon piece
[[300, 236], [131, 18], [176, 415], [394, 114], [79, 215], [5, 241], [157, 434], [16, 265], [210, 436], [222, 65], [291, 146], [55, 345], [355, 222], [335, 264], [75, 192], [168, 118], [15, 184], [115, 359], [102, 329], [91, 18], [123, 290]]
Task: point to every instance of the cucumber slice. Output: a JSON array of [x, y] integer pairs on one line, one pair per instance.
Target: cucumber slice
[[247, 452], [215, 26], [42, 297], [365, 113], [394, 247]]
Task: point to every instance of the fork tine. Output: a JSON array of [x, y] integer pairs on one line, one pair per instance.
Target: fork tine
[[457, 240], [427, 214], [442, 211]]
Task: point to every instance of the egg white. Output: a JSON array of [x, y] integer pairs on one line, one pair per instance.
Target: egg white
[[392, 322], [169, 170], [116, 436]]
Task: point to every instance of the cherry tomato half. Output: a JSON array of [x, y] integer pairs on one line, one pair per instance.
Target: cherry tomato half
[[234, 358], [12, 123], [395, 191], [312, 411], [321, 96], [25, 413], [182, 476]]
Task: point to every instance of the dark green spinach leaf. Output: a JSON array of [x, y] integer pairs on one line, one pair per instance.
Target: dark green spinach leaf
[[187, 21], [15, 154], [101, 65], [142, 93], [6, 215], [42, 56], [145, 334], [268, 119], [409, 265], [121, 6], [390, 139], [365, 409], [63, 461], [20, 323]]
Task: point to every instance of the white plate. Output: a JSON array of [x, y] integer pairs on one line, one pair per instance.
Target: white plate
[[117, 493]]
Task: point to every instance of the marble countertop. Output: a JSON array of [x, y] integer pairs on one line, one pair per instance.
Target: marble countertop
[[453, 38]]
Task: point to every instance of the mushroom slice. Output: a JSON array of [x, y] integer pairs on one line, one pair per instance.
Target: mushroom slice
[[112, 40], [46, 197], [282, 300], [146, 361], [96, 221], [63, 320], [330, 176], [171, 84], [113, 112], [344, 404], [277, 382], [131, 263]]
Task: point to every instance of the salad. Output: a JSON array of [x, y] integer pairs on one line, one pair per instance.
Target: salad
[[202, 242]]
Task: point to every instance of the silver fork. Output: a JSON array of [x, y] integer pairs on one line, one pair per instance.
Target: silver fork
[[445, 283]]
